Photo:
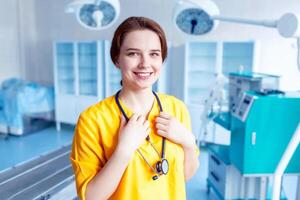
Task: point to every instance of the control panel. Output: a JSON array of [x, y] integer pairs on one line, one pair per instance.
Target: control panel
[[244, 107]]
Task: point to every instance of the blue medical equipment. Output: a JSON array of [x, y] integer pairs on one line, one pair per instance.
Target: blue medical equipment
[[261, 128], [241, 82], [25, 106], [262, 121]]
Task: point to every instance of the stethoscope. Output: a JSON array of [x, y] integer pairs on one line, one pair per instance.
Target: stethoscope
[[162, 166]]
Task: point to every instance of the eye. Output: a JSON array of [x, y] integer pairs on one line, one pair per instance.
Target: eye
[[154, 54], [131, 54]]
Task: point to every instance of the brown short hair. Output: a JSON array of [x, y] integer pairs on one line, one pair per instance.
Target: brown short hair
[[133, 24]]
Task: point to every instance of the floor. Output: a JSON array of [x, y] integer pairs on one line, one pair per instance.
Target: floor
[[15, 150]]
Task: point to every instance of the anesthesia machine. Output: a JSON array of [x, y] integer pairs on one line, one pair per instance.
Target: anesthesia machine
[[262, 121]]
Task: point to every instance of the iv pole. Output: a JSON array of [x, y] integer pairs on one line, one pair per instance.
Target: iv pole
[[285, 159]]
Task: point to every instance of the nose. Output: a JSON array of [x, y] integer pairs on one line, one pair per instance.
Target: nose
[[145, 61]]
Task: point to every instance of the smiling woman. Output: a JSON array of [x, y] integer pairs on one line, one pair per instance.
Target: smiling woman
[[140, 59], [136, 143]]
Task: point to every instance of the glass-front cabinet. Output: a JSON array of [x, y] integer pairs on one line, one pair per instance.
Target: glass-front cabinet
[[202, 70], [83, 74], [87, 68], [237, 56], [65, 68]]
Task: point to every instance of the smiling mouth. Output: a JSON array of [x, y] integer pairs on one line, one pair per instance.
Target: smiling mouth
[[143, 74]]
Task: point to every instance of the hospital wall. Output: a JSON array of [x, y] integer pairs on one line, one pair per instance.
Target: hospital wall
[[41, 22], [9, 40]]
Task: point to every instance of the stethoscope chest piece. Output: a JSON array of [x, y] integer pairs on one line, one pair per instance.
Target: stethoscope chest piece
[[162, 166]]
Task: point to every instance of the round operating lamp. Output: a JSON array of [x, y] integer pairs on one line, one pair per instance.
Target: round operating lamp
[[193, 17], [200, 17], [95, 14]]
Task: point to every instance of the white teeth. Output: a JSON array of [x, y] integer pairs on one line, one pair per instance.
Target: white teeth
[[143, 74]]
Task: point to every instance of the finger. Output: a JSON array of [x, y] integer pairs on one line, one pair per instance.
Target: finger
[[161, 127], [164, 115], [123, 121], [162, 120], [162, 133]]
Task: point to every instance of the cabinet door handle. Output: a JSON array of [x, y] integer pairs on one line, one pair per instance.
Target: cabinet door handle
[[215, 176], [215, 159]]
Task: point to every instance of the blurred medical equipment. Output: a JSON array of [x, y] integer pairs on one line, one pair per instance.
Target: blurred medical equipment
[[216, 105], [95, 14], [262, 127], [241, 82], [25, 106], [260, 121], [224, 180], [213, 106], [40, 178], [198, 17]]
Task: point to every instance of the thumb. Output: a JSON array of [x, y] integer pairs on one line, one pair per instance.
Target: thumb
[[123, 121]]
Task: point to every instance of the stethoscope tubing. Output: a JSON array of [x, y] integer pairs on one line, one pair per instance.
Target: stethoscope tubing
[[127, 119]]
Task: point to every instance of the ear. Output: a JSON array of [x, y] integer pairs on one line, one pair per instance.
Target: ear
[[117, 65]]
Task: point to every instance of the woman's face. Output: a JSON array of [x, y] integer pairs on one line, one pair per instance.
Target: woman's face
[[140, 59]]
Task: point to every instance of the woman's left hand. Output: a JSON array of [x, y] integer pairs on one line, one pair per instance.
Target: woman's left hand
[[170, 128]]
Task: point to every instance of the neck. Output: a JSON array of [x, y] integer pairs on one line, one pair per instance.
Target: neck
[[139, 102]]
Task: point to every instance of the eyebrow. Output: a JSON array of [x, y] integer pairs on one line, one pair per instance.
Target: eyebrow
[[135, 49]]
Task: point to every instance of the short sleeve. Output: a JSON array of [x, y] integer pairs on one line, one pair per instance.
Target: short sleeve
[[185, 119], [87, 155]]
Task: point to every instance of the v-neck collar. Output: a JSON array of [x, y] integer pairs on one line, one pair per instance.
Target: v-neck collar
[[154, 109]]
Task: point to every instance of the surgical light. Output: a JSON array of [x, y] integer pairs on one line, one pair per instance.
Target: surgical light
[[198, 17], [193, 17], [95, 15]]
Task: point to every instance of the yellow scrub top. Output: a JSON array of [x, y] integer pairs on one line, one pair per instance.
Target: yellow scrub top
[[95, 139]]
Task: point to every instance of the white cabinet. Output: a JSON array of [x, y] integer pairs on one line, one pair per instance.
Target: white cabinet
[[203, 62], [83, 75], [112, 75]]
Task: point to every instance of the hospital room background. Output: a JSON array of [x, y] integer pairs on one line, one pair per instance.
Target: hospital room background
[[238, 73]]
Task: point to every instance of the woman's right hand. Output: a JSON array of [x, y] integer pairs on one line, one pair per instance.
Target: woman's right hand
[[132, 133]]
